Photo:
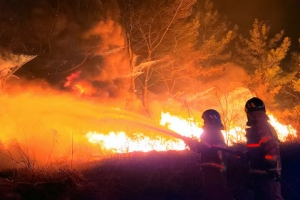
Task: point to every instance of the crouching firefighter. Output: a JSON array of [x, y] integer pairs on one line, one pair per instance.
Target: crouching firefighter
[[212, 159], [263, 152]]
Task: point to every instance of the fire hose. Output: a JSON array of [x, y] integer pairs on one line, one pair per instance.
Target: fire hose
[[202, 146]]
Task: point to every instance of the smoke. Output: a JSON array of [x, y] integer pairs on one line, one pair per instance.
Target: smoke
[[113, 74], [41, 126], [68, 37], [232, 74]]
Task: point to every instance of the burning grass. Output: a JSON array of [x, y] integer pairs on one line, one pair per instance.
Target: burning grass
[[58, 146]]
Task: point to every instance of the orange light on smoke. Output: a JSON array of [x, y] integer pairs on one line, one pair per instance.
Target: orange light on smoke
[[71, 78], [83, 88], [80, 87]]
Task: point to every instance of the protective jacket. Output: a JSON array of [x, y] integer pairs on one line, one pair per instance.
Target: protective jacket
[[263, 145], [211, 162], [212, 135]]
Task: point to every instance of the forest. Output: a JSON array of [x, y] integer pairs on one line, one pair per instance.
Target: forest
[[70, 69], [175, 49]]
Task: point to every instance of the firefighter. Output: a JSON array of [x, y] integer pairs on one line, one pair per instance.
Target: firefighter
[[263, 152], [212, 161]]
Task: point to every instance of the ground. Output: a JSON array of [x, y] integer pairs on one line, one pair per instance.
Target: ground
[[174, 175]]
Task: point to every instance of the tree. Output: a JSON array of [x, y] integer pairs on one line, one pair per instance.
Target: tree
[[289, 96], [215, 36], [173, 43], [9, 64], [295, 63], [156, 32], [261, 56], [210, 57]]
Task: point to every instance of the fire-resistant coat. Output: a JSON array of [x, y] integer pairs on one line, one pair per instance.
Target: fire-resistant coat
[[262, 144], [212, 165], [212, 135]]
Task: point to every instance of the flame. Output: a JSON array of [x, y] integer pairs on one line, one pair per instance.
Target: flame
[[71, 78], [185, 127], [83, 88], [80, 87], [120, 142], [283, 131], [190, 128], [50, 126]]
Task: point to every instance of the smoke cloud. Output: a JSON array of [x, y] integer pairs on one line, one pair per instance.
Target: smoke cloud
[[68, 37], [41, 126]]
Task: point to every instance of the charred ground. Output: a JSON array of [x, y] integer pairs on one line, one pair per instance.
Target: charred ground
[[136, 176]]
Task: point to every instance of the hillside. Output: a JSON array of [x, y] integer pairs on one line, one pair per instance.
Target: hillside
[[138, 176]]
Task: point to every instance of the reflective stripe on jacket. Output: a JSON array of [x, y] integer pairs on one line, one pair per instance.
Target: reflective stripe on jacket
[[262, 143]]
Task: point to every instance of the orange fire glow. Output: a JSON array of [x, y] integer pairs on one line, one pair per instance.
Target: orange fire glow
[[71, 78], [47, 125], [83, 88], [120, 142], [80, 87], [282, 130]]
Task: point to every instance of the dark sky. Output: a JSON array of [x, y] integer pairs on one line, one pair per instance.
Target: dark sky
[[280, 14]]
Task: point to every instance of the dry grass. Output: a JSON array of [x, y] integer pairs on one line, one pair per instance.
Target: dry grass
[[137, 176]]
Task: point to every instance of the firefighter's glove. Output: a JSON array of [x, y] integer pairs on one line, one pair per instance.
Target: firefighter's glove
[[196, 146], [191, 143]]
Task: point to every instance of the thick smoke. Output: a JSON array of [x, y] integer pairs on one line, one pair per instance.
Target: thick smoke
[[113, 75], [68, 37], [41, 119], [41, 126]]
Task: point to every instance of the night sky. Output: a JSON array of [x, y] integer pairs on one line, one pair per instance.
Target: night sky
[[279, 14]]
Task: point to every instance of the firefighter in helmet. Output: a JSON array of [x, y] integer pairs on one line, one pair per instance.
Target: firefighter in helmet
[[263, 152], [212, 161]]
